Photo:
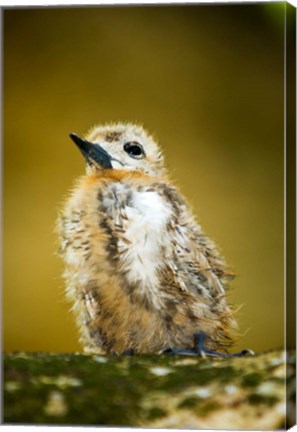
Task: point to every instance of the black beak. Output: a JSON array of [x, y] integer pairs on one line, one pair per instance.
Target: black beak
[[93, 153]]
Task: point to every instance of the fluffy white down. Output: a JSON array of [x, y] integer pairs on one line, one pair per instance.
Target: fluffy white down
[[144, 233]]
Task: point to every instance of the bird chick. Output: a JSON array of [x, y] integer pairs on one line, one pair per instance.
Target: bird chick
[[140, 272]]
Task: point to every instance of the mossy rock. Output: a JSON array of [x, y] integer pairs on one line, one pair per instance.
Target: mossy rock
[[150, 391]]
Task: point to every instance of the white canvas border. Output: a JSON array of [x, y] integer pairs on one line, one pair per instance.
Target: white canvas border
[[24, 3]]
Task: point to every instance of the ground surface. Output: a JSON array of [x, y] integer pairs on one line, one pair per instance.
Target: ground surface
[[150, 391]]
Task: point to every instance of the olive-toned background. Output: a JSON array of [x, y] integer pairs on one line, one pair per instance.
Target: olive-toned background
[[207, 81]]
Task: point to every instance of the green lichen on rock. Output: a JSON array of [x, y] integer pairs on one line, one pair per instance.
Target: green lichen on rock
[[147, 391]]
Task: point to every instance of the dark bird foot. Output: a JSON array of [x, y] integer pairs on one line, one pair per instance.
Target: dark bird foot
[[128, 352], [201, 350]]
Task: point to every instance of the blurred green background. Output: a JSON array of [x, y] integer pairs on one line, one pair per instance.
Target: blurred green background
[[207, 81]]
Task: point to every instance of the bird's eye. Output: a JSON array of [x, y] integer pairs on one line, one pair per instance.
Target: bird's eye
[[134, 149]]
